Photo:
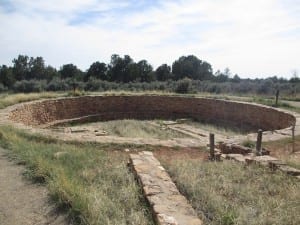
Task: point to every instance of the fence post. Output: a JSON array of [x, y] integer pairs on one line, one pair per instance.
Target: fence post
[[212, 146], [277, 96], [258, 142]]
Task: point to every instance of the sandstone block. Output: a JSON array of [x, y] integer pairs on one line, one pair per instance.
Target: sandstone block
[[168, 205], [289, 170]]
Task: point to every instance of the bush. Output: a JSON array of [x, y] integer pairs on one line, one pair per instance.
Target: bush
[[57, 84], [93, 85], [3, 88], [27, 86], [183, 86]]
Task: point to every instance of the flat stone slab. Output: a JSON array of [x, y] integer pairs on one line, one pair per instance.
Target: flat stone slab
[[168, 205], [229, 148], [265, 159], [236, 157], [289, 170]]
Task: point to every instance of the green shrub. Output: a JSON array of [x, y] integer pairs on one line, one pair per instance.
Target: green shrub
[[248, 143], [27, 86], [183, 86], [3, 88]]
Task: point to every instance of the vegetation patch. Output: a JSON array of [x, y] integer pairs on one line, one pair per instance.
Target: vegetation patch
[[11, 99], [133, 129], [224, 129], [98, 187], [95, 185], [286, 149], [227, 193]]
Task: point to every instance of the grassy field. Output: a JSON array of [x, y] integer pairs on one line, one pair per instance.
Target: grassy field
[[226, 130], [96, 185], [93, 181], [11, 99], [229, 194], [286, 150], [133, 129]]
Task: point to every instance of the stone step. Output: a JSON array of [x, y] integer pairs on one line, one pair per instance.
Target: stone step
[[169, 207], [264, 160], [289, 170], [229, 148], [236, 157]]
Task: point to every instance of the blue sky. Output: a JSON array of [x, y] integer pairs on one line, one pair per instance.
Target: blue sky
[[257, 38]]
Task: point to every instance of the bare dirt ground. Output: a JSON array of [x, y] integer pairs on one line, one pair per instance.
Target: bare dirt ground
[[170, 154], [21, 201]]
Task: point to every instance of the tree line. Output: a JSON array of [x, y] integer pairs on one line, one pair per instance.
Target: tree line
[[32, 74]]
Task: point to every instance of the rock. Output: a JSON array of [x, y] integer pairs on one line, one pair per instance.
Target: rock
[[265, 159], [148, 154], [237, 157], [184, 120], [167, 123], [126, 150], [223, 156], [289, 170], [265, 151], [228, 148], [249, 160], [78, 130], [58, 155], [276, 164], [166, 220], [101, 133]]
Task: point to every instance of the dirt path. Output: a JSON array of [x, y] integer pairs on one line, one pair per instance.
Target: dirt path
[[22, 202]]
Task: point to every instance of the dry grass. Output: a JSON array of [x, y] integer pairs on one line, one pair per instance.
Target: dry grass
[[133, 129], [11, 99], [283, 149], [98, 188], [228, 193], [226, 130], [95, 185]]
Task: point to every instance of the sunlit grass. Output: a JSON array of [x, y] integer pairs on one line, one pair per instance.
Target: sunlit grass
[[11, 99], [286, 150], [96, 185], [231, 194], [132, 129], [219, 128], [98, 188]]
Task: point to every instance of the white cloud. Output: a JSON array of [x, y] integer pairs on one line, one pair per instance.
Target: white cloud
[[252, 38]]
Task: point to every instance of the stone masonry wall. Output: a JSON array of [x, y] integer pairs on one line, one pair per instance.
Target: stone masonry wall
[[152, 107]]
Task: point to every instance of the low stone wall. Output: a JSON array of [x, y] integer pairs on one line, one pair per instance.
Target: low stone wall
[[168, 205], [152, 107]]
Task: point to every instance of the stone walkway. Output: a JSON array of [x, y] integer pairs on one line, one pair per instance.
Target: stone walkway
[[168, 205]]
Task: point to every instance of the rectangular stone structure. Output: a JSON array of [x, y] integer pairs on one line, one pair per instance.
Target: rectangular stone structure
[[168, 205]]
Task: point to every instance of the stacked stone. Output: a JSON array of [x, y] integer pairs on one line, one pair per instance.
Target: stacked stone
[[168, 205]]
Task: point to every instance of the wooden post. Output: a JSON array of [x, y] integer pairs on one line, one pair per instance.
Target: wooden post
[[293, 137], [258, 142], [74, 87], [212, 146], [277, 96]]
